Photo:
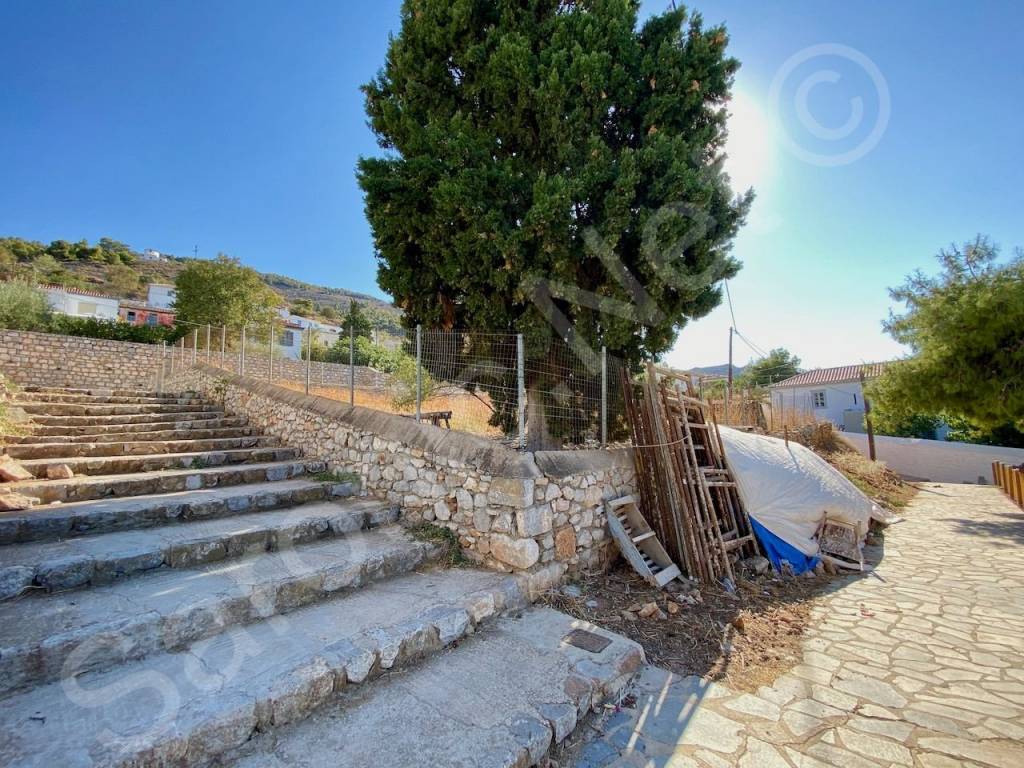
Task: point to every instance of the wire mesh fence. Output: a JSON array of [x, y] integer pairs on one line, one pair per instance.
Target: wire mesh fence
[[490, 384]]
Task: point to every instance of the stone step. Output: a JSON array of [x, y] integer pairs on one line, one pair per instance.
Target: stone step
[[126, 418], [135, 448], [78, 409], [205, 421], [168, 610], [88, 517], [188, 708], [116, 465], [96, 391], [165, 481], [501, 699], [99, 559], [77, 397], [144, 432]]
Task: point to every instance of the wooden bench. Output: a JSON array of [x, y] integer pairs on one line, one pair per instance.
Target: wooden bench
[[434, 417]]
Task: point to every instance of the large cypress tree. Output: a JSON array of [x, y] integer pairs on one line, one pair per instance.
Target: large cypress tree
[[553, 169]]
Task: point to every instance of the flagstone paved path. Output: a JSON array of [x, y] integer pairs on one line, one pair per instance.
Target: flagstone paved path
[[921, 664]]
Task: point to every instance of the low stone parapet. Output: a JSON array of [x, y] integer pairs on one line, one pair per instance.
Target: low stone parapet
[[540, 513]]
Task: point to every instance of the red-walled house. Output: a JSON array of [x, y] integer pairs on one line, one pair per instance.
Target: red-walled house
[[140, 313]]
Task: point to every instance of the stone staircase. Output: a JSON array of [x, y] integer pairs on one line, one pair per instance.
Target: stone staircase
[[198, 594]]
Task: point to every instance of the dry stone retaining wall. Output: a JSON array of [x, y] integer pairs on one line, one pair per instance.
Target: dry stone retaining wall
[[538, 513], [257, 366], [46, 359]]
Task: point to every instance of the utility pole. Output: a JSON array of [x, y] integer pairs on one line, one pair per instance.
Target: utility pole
[[867, 418], [195, 251], [728, 390]]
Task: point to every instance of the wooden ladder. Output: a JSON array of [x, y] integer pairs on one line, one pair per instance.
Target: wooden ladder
[[639, 543]]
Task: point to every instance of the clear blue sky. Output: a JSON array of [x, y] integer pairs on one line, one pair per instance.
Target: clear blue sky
[[235, 126]]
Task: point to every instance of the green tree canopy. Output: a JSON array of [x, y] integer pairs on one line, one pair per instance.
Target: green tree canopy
[[223, 292], [965, 328], [23, 307], [356, 320], [778, 365], [552, 164]]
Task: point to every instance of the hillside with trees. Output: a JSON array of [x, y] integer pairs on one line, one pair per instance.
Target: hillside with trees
[[112, 267]]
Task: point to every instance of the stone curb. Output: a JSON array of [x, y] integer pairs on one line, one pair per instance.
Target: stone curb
[[135, 447], [175, 431], [117, 464], [131, 513], [134, 552], [147, 630], [48, 419], [168, 481], [98, 409]]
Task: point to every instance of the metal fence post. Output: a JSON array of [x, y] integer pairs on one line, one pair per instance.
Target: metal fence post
[[207, 343], [309, 354], [195, 344], [604, 396], [270, 362], [351, 364], [241, 353], [521, 390], [419, 370], [223, 344]]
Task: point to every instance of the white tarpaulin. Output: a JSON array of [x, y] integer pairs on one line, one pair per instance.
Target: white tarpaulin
[[789, 489]]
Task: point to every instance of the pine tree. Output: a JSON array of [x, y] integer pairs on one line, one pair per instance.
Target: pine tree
[[550, 168]]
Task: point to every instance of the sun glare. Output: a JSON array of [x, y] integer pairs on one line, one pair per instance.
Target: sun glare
[[749, 149]]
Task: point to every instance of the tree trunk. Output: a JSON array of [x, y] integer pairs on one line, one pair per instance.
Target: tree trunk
[[538, 438]]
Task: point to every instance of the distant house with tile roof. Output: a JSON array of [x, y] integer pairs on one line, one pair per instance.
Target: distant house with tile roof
[[79, 302], [830, 394]]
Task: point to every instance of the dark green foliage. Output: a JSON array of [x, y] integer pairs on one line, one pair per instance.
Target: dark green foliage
[[116, 330], [222, 291], [356, 320], [966, 330], [778, 365], [533, 150]]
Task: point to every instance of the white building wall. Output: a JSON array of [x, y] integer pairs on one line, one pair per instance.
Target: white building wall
[[77, 305], [839, 398], [160, 295], [937, 460]]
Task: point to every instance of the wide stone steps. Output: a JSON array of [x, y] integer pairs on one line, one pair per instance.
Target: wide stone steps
[[174, 431], [89, 517], [100, 559], [136, 448], [46, 637], [126, 424], [193, 706], [166, 481], [112, 465], [78, 397], [500, 699], [127, 418], [94, 391], [100, 409]]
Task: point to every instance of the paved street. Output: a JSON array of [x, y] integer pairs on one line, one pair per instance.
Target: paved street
[[922, 665]]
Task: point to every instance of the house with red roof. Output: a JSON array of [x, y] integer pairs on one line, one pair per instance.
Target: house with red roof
[[829, 394]]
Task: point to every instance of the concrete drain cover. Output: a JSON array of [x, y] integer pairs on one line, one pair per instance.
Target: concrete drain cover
[[588, 641]]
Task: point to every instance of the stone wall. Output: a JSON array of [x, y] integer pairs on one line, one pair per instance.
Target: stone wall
[[46, 359], [257, 366], [539, 513]]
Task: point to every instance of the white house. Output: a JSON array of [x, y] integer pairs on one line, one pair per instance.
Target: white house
[[296, 325], [78, 302], [151, 254], [829, 394], [160, 295]]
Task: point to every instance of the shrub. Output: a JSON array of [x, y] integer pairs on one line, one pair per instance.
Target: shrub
[[23, 307]]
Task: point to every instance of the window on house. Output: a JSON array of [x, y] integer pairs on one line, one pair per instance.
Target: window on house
[[151, 320], [287, 339], [130, 317], [818, 398], [87, 307]]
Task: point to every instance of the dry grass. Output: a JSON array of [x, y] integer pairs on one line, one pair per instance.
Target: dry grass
[[469, 414], [873, 478]]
